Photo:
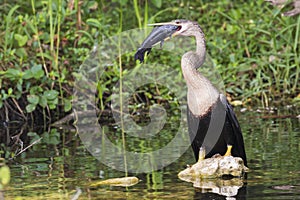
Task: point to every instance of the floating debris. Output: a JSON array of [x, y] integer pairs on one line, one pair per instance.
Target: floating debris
[[124, 182]]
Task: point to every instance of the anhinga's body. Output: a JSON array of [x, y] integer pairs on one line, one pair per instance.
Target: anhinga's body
[[211, 120]]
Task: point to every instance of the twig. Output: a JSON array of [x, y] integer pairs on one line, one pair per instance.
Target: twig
[[6, 112], [20, 110], [77, 194], [28, 147]]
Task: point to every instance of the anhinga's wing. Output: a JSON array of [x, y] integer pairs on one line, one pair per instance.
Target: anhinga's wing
[[237, 137]]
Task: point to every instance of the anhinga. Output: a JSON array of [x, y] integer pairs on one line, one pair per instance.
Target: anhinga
[[203, 98]]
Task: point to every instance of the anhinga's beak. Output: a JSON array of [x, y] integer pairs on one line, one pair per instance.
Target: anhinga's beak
[[163, 23], [160, 33], [179, 26]]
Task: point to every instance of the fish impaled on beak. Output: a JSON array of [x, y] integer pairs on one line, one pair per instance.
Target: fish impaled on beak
[[160, 33]]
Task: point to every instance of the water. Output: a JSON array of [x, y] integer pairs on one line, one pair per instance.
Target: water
[[59, 167]]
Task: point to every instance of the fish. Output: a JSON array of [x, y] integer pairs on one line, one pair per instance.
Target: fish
[[157, 36]]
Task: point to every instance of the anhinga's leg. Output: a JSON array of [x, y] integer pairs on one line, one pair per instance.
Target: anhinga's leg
[[228, 152], [201, 154]]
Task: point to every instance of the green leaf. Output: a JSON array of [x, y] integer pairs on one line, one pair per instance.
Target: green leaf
[[27, 74], [123, 2], [45, 37], [43, 101], [51, 138], [37, 71], [45, 55], [52, 104], [35, 89], [157, 3], [67, 105], [30, 108], [20, 85], [31, 134], [13, 74], [33, 99], [50, 94], [10, 13], [4, 175], [21, 39], [93, 22], [9, 91], [21, 52]]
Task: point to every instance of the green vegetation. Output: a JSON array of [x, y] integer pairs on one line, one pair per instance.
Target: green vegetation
[[255, 49], [4, 174]]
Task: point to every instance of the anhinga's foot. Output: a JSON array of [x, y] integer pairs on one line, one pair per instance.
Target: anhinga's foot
[[228, 152]]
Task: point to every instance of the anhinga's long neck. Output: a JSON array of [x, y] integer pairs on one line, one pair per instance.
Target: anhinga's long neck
[[201, 93], [200, 46]]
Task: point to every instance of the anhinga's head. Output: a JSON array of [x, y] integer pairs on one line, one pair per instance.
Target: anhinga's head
[[164, 31]]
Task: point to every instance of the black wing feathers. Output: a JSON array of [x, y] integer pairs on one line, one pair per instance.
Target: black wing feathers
[[237, 137]]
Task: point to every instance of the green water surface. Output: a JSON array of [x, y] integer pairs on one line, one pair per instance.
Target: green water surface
[[59, 167]]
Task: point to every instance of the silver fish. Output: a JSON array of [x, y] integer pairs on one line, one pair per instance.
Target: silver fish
[[158, 35]]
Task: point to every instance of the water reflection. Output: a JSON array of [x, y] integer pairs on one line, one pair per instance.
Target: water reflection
[[59, 164], [227, 188]]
